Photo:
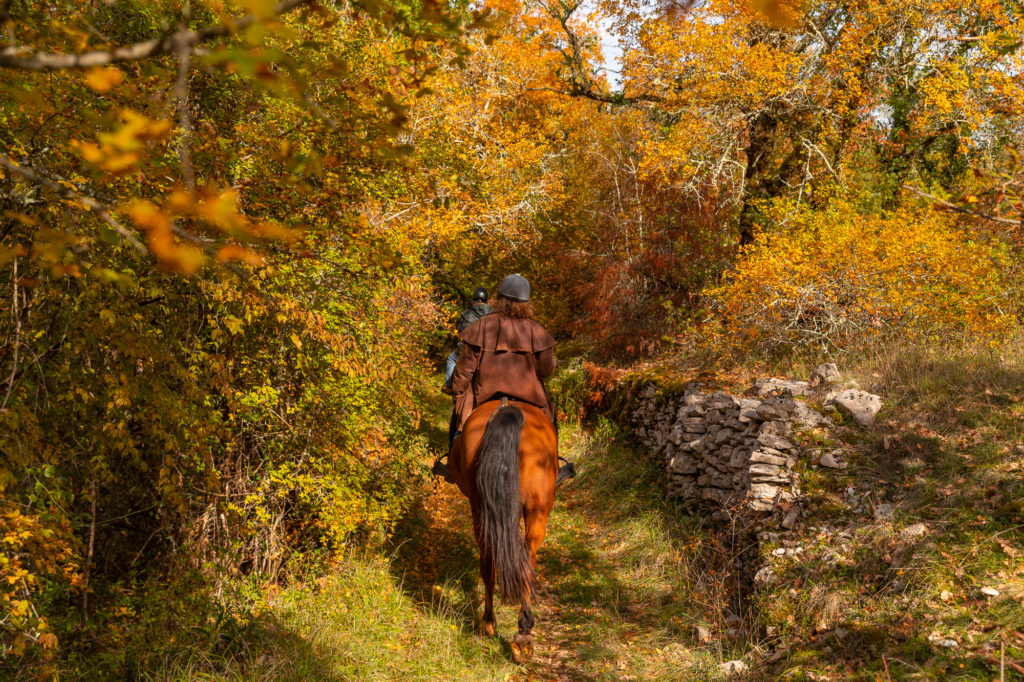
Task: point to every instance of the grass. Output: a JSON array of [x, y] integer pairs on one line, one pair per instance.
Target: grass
[[897, 596], [880, 580]]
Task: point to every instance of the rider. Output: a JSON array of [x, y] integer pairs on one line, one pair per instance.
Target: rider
[[474, 312], [505, 353]]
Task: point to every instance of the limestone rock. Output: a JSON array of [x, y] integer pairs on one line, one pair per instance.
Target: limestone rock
[[775, 409], [778, 428], [761, 457], [807, 416], [826, 373], [833, 460], [772, 441], [913, 531], [736, 667], [771, 386], [790, 520], [860, 405]]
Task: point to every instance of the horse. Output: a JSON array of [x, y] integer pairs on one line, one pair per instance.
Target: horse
[[506, 464]]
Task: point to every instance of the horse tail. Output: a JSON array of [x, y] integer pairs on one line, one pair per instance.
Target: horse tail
[[497, 480]]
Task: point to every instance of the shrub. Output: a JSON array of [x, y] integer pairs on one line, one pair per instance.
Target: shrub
[[834, 278]]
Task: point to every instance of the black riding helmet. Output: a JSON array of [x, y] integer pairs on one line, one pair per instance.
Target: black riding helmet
[[515, 287], [479, 295]]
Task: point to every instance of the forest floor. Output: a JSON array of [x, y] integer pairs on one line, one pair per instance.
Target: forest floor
[[907, 565]]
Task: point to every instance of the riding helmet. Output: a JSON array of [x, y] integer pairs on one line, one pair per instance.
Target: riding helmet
[[515, 287], [480, 295]]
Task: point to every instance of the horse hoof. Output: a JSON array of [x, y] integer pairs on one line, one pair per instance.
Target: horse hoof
[[522, 648], [487, 629]]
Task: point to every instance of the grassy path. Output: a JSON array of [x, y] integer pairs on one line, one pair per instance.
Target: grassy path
[[611, 576]]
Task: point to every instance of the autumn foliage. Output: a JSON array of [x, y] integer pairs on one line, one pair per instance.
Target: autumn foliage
[[834, 280], [233, 234]]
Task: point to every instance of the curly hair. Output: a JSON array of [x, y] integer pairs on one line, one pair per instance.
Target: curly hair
[[516, 310]]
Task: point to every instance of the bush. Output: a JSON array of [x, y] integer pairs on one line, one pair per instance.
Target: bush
[[834, 278]]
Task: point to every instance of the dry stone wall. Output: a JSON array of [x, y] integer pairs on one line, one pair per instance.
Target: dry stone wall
[[727, 452]]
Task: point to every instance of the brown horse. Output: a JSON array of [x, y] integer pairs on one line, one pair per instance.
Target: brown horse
[[506, 463]]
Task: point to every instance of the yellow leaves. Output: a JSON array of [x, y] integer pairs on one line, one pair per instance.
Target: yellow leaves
[[101, 79], [121, 151], [779, 12], [835, 277]]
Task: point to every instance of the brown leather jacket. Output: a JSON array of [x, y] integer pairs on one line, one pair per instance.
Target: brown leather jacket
[[502, 356]]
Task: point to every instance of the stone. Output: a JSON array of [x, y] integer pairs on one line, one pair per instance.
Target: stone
[[860, 405], [738, 458], [721, 516], [714, 417], [720, 400], [772, 441], [913, 531], [775, 409], [723, 436], [676, 435], [760, 505], [764, 575], [736, 667], [806, 416], [693, 425], [771, 386], [790, 519], [682, 464], [702, 634], [832, 460], [765, 469], [825, 373], [781, 429], [764, 491], [948, 643], [762, 457], [722, 481], [989, 591], [883, 512]]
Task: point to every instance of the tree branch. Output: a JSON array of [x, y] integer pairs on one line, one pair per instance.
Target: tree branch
[[960, 209], [48, 61], [68, 192]]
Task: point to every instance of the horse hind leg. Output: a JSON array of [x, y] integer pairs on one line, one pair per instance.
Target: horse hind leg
[[522, 643], [488, 624], [536, 522]]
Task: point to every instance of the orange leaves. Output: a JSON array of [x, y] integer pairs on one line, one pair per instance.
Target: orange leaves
[[218, 212], [158, 227], [102, 79], [121, 151]]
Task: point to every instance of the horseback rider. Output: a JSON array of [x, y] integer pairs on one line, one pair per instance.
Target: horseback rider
[[474, 312], [505, 354]]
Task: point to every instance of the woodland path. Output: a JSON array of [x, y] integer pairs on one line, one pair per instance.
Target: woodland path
[[610, 588]]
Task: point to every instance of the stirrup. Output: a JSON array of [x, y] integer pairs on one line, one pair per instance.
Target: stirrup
[[565, 472], [440, 468]]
